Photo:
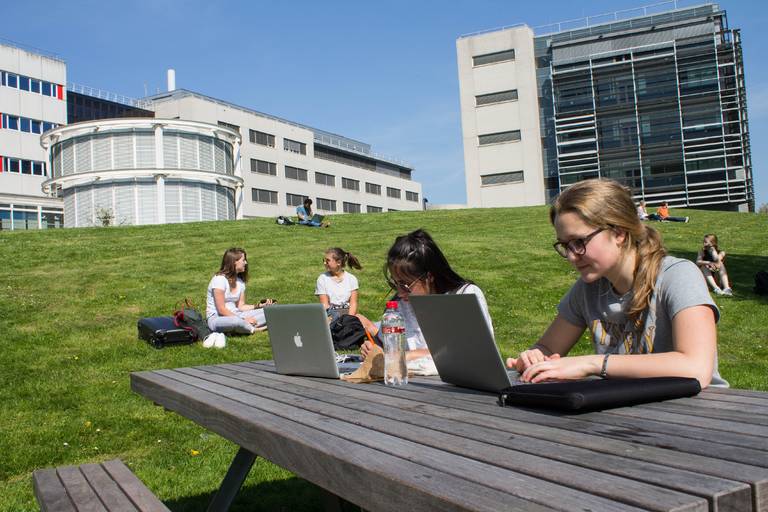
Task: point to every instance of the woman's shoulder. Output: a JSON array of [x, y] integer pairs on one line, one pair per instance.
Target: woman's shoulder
[[218, 281]]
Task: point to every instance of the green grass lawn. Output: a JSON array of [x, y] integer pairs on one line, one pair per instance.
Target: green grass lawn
[[70, 300]]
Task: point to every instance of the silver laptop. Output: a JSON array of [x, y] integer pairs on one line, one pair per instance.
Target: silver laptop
[[461, 342], [301, 341]]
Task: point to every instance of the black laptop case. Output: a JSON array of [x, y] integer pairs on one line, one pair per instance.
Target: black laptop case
[[160, 331], [597, 394]]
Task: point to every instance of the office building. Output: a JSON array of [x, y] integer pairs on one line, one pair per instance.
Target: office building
[[32, 100], [284, 162], [143, 171], [652, 98]]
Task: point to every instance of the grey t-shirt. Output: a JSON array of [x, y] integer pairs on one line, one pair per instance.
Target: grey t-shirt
[[596, 306]]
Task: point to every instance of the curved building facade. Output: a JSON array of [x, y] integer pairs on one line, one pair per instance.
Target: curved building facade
[[144, 171]]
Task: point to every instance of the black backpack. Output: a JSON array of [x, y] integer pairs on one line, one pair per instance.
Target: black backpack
[[347, 332], [761, 283]]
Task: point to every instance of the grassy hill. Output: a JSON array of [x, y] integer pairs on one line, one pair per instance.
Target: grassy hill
[[70, 300]]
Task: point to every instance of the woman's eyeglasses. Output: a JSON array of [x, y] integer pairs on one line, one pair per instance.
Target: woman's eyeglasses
[[406, 287], [577, 246]]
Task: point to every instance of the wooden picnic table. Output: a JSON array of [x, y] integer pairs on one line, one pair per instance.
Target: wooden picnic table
[[432, 446]]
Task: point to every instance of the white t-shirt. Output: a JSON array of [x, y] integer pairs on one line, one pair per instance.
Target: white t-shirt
[[231, 298], [413, 334], [338, 292]]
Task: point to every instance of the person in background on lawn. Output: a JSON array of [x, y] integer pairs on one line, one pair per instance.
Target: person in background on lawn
[[662, 214], [711, 261], [304, 213], [416, 266], [336, 288], [226, 309], [649, 314], [642, 213]]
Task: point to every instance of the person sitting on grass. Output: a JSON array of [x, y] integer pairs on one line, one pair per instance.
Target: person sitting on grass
[[650, 313], [305, 215], [642, 213], [336, 288], [226, 309], [662, 214], [711, 261]]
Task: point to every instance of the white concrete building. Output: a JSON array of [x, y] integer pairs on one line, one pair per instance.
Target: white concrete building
[[32, 100], [283, 162], [144, 171], [500, 118]]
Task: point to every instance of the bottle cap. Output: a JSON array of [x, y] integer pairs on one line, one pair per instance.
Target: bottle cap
[[391, 304]]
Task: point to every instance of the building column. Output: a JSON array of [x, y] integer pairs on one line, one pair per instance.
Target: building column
[[160, 182]]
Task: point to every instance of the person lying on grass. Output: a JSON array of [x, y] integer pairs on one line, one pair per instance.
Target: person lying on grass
[[649, 314]]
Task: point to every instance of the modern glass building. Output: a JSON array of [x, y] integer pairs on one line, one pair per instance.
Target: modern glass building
[[655, 101]]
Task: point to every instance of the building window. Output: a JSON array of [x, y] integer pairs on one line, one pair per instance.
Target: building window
[[295, 146], [499, 137], [294, 199], [373, 209], [325, 179], [263, 196], [21, 166], [373, 188], [350, 184], [393, 192], [412, 196], [496, 97], [25, 124], [392, 210], [230, 126], [261, 138], [490, 58], [294, 173], [502, 177], [26, 83], [351, 207], [328, 205], [263, 167]]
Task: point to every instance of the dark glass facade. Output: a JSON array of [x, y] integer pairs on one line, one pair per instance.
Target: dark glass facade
[[657, 103], [81, 107]]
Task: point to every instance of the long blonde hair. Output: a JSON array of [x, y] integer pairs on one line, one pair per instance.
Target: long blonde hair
[[606, 204]]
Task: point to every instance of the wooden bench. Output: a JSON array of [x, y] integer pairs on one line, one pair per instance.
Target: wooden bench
[[94, 487]]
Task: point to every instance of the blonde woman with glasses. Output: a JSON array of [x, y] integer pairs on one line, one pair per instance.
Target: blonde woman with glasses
[[416, 266], [649, 314]]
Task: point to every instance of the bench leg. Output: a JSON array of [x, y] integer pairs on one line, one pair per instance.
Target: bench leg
[[236, 474], [333, 503]]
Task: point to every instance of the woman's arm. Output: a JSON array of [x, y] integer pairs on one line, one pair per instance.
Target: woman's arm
[[324, 300], [353, 303], [694, 338], [221, 303], [557, 340], [700, 261]]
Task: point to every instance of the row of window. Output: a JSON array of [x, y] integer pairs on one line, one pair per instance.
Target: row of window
[[498, 137], [25, 124], [34, 85], [267, 139], [259, 195], [502, 178], [22, 166], [329, 180], [19, 217], [495, 97], [492, 58]]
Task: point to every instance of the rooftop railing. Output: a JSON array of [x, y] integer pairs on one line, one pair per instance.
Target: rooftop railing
[[109, 96], [31, 49]]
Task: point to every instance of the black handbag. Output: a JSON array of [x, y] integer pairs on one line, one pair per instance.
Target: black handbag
[[597, 394], [347, 332]]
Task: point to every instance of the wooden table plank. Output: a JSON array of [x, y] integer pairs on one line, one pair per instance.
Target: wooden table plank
[[499, 447], [482, 473], [364, 476], [635, 446]]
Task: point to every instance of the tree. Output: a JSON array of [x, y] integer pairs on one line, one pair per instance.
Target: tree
[[105, 216]]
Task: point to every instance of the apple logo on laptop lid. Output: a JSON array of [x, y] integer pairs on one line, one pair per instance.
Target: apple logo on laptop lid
[[297, 340]]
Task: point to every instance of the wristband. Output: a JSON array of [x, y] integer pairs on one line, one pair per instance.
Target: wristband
[[604, 369]]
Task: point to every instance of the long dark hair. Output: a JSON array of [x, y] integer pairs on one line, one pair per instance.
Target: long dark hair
[[416, 255], [308, 206], [228, 269], [346, 258]]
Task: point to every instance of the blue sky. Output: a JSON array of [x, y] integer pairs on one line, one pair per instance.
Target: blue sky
[[381, 72]]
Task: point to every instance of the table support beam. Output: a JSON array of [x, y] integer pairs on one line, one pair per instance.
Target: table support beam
[[230, 486]]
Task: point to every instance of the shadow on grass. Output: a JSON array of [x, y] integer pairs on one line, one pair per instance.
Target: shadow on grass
[[293, 494], [741, 271]]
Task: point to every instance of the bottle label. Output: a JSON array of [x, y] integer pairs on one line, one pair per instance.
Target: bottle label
[[393, 329]]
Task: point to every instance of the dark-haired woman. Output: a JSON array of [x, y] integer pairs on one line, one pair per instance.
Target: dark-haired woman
[[336, 288], [416, 266], [226, 309], [649, 314], [305, 215]]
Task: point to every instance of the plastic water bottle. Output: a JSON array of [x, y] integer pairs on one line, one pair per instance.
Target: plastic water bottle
[[393, 336]]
